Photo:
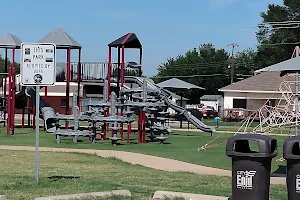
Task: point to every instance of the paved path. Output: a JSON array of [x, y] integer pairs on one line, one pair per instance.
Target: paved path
[[154, 162]]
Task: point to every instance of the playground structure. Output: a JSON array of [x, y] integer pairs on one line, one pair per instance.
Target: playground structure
[[148, 101], [284, 115]]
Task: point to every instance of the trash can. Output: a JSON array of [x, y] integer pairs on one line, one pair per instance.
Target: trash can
[[251, 169], [291, 153]]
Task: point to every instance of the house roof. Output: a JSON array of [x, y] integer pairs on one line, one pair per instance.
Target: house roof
[[264, 82], [61, 39], [10, 41], [211, 97], [292, 64]]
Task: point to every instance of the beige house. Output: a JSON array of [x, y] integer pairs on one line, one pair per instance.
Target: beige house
[[252, 93]]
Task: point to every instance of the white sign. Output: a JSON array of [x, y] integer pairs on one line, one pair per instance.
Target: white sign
[[244, 179], [298, 183], [38, 64]]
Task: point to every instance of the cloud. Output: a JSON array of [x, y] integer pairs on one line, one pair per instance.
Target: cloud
[[111, 14]]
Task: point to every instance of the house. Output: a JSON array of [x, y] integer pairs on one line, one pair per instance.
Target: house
[[252, 93], [56, 96], [215, 101]]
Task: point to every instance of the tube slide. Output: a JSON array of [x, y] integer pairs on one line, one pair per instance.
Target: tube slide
[[47, 113], [163, 93], [191, 118]]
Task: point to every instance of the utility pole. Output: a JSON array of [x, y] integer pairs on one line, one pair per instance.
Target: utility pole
[[232, 60]]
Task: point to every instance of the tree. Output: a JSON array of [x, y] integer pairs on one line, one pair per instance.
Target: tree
[[206, 67], [245, 62], [2, 65], [278, 33]]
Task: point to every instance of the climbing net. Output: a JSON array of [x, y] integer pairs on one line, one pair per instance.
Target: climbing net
[[270, 118], [284, 114]]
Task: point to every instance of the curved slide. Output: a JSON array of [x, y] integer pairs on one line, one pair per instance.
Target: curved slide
[[163, 93], [47, 113]]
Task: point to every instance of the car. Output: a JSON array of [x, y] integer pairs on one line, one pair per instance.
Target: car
[[208, 112]]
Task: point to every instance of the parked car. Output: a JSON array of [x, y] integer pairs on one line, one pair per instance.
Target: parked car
[[208, 112]]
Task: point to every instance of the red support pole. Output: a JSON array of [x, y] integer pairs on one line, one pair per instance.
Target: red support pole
[[144, 127], [8, 103], [141, 57], [46, 91], [4, 92], [79, 78], [68, 84], [121, 130], [122, 85], [123, 66], [128, 133], [108, 73], [139, 126], [23, 116], [13, 93], [5, 85]]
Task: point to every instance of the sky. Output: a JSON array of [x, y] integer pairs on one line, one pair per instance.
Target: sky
[[166, 28]]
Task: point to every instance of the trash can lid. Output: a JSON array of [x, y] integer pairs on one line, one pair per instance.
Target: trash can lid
[[291, 148], [238, 145]]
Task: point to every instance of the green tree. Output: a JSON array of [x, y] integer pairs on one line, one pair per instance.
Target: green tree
[[244, 62], [278, 33], [2, 65], [206, 67]]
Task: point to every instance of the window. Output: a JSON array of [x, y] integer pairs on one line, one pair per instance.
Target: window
[[239, 103], [63, 102], [271, 103]]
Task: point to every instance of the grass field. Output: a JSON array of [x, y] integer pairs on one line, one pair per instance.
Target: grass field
[[180, 146], [94, 174]]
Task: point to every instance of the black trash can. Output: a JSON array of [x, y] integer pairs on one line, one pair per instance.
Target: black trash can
[[291, 153], [251, 170]]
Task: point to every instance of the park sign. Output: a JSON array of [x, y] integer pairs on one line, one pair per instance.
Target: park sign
[[38, 64]]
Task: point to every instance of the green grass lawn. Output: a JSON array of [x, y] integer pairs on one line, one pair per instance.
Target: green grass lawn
[[180, 146], [95, 174]]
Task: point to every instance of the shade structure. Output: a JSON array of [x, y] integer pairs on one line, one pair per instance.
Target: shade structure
[[179, 84], [130, 40], [10, 41], [61, 39]]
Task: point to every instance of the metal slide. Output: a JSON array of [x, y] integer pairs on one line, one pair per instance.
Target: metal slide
[[47, 113], [165, 95]]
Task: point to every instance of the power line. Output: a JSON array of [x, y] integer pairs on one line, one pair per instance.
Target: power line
[[199, 75], [282, 43]]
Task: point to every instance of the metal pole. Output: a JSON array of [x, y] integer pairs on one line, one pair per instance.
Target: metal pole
[[296, 102], [232, 61], [297, 95], [181, 104], [37, 123]]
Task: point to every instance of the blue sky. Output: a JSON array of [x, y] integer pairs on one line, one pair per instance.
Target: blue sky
[[166, 28]]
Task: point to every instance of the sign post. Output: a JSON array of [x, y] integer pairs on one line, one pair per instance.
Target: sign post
[[38, 68]]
